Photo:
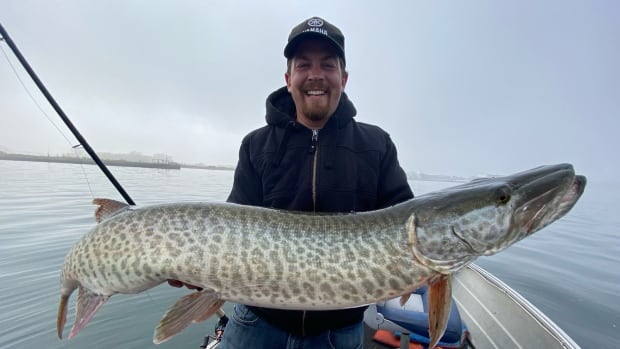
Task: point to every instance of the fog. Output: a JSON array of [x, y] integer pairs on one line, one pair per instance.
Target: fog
[[463, 88]]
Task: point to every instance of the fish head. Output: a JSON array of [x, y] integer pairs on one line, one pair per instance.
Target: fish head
[[452, 227]]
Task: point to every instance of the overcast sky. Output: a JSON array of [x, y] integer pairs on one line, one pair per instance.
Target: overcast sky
[[463, 88]]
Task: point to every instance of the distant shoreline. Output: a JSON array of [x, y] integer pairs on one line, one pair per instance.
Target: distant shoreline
[[88, 161], [165, 165], [171, 165]]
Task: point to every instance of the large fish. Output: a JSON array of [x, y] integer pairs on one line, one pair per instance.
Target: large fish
[[293, 260]]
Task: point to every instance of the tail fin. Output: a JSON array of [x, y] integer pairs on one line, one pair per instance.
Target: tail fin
[[87, 305], [62, 314]]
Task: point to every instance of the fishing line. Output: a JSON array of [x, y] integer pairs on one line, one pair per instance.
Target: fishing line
[[8, 60], [73, 147], [82, 141], [4, 36]]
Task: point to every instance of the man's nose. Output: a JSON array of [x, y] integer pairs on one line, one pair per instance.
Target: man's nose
[[316, 72]]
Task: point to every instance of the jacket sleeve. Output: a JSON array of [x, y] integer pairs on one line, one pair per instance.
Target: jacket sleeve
[[247, 187], [393, 185]]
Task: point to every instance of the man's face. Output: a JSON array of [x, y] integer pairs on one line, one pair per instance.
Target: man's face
[[315, 81]]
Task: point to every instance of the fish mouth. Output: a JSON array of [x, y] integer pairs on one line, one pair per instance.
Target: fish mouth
[[514, 207], [547, 193], [576, 190]]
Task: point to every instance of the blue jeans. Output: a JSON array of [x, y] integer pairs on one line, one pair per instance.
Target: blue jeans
[[246, 330]]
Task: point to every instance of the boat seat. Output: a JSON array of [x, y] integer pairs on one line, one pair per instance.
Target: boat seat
[[413, 316]]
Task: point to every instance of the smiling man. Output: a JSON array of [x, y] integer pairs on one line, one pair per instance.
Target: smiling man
[[312, 156], [315, 78]]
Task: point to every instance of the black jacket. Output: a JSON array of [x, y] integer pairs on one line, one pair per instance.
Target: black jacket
[[346, 166]]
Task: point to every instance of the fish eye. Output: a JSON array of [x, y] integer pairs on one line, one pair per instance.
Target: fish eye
[[502, 196]]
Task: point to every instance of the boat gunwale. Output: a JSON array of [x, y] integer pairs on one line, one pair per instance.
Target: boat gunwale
[[541, 318]]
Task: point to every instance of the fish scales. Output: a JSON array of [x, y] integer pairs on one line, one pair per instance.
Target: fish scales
[[307, 261], [253, 255]]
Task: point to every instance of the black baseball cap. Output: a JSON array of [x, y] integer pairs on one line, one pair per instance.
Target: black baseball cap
[[314, 27]]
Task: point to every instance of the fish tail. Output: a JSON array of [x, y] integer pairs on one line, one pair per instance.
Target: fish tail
[[88, 302], [62, 314]]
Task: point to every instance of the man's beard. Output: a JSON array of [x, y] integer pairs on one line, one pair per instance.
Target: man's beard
[[316, 112]]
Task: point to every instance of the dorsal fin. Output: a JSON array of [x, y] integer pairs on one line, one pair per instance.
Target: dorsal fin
[[108, 208]]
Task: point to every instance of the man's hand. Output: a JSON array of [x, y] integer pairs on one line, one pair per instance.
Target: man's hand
[[177, 283]]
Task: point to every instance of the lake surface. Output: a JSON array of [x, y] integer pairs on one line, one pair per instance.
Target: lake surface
[[569, 270]]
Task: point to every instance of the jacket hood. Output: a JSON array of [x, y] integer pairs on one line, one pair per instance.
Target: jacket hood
[[281, 109]]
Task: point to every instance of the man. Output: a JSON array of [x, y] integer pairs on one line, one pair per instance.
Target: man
[[312, 156]]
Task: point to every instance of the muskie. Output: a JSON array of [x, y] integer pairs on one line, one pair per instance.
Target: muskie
[[293, 260]]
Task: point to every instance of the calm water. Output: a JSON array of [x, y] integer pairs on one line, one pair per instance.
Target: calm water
[[570, 270]]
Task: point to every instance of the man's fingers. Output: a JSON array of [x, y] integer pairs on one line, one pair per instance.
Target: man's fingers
[[175, 283]]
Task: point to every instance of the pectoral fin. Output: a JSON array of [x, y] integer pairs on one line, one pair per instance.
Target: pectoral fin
[[439, 303], [195, 307]]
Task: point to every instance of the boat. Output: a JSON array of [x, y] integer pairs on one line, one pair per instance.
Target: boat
[[492, 315]]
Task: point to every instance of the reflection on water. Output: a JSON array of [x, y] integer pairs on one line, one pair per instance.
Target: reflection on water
[[569, 270]]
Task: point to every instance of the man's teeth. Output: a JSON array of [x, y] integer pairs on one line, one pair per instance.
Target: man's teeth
[[315, 93]]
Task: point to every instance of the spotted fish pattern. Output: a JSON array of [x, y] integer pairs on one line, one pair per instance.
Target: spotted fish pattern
[[251, 255], [305, 261]]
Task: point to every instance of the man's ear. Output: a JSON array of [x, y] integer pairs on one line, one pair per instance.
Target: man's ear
[[345, 78], [287, 78]]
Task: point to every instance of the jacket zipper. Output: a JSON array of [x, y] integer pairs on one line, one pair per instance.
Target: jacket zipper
[[314, 149]]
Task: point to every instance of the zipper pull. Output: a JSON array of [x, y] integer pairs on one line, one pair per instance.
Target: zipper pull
[[315, 139]]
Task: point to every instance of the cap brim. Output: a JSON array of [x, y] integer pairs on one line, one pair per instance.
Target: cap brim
[[291, 47]]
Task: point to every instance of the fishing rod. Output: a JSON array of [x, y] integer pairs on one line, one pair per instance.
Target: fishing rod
[[223, 319], [4, 35]]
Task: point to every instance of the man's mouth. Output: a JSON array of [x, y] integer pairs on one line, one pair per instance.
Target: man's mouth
[[315, 92]]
